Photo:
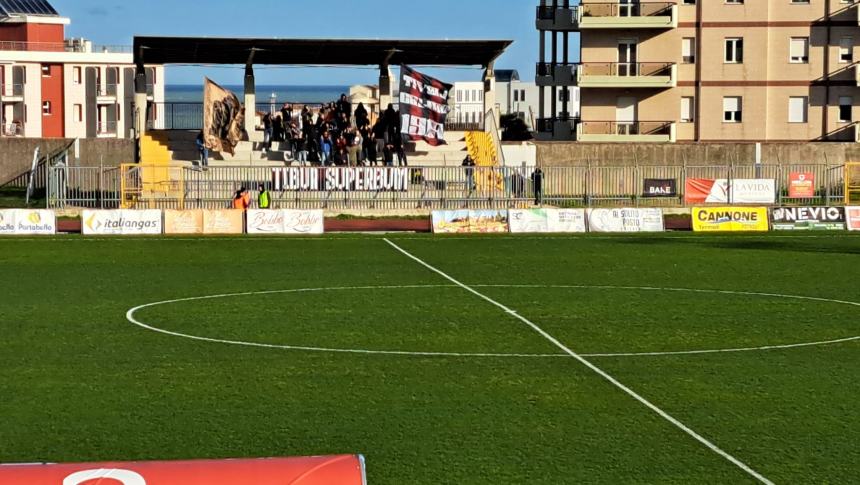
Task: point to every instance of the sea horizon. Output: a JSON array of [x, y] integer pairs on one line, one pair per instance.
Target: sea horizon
[[290, 93]]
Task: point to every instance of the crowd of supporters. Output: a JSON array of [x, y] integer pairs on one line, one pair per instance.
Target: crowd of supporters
[[337, 135]]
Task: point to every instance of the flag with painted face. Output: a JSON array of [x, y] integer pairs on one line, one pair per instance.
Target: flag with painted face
[[223, 118], [423, 107]]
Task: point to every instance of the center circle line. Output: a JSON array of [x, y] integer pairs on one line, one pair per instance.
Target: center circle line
[[130, 316]]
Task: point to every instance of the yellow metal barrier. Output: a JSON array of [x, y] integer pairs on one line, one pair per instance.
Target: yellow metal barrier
[[852, 183], [483, 151], [147, 186]]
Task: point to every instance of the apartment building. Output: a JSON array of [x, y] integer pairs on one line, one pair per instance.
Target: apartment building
[[517, 97], [718, 71], [53, 87]]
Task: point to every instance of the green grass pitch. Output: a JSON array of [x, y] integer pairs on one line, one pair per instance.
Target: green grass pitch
[[80, 382]]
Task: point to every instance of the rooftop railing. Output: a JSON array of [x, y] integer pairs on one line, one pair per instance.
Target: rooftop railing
[[81, 47]]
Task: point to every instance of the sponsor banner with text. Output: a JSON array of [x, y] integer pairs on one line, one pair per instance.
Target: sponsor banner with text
[[852, 217], [27, 222], [470, 221], [121, 222], [223, 221], [808, 218], [183, 221], [730, 219], [801, 185], [660, 188], [546, 220], [318, 470], [736, 191], [625, 220], [285, 221]]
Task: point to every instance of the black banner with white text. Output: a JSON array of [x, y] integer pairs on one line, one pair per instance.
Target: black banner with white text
[[423, 107]]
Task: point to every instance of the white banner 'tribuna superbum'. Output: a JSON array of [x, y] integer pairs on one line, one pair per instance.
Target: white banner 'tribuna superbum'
[[351, 179]]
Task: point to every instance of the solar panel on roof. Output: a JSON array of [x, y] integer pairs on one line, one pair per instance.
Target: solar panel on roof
[[26, 7]]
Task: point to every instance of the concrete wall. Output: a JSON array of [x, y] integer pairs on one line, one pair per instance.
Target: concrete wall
[[16, 154], [555, 154]]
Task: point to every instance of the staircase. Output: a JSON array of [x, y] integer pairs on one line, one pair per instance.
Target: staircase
[[422, 154]]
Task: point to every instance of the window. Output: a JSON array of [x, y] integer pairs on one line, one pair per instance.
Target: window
[[846, 50], [46, 108], [78, 112], [76, 75], [516, 95], [797, 109], [459, 96], [734, 2], [688, 50], [687, 109], [799, 50], [732, 106], [734, 50], [845, 105], [522, 95], [46, 70]]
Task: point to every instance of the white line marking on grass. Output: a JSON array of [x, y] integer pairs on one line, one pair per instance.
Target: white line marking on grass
[[130, 316], [743, 466]]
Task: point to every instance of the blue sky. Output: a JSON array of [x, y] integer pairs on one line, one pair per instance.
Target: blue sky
[[117, 21]]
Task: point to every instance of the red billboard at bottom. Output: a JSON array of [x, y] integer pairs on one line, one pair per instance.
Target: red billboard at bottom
[[319, 470]]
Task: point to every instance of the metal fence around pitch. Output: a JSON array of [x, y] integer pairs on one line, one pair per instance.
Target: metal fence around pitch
[[436, 187], [83, 187]]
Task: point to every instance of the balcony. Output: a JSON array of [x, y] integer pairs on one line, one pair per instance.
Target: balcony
[[649, 15], [13, 130], [106, 129], [626, 131], [12, 92], [558, 19], [555, 75], [561, 128], [107, 93], [627, 75]]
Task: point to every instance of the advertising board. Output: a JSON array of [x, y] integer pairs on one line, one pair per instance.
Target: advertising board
[[121, 222], [730, 219], [625, 220]]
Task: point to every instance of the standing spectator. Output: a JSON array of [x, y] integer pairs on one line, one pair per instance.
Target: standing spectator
[[469, 166], [326, 148], [295, 137], [400, 151], [379, 137], [267, 132], [361, 116], [277, 127], [242, 199], [344, 107], [356, 143], [388, 155], [264, 200], [287, 115], [368, 146], [204, 151], [537, 182]]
